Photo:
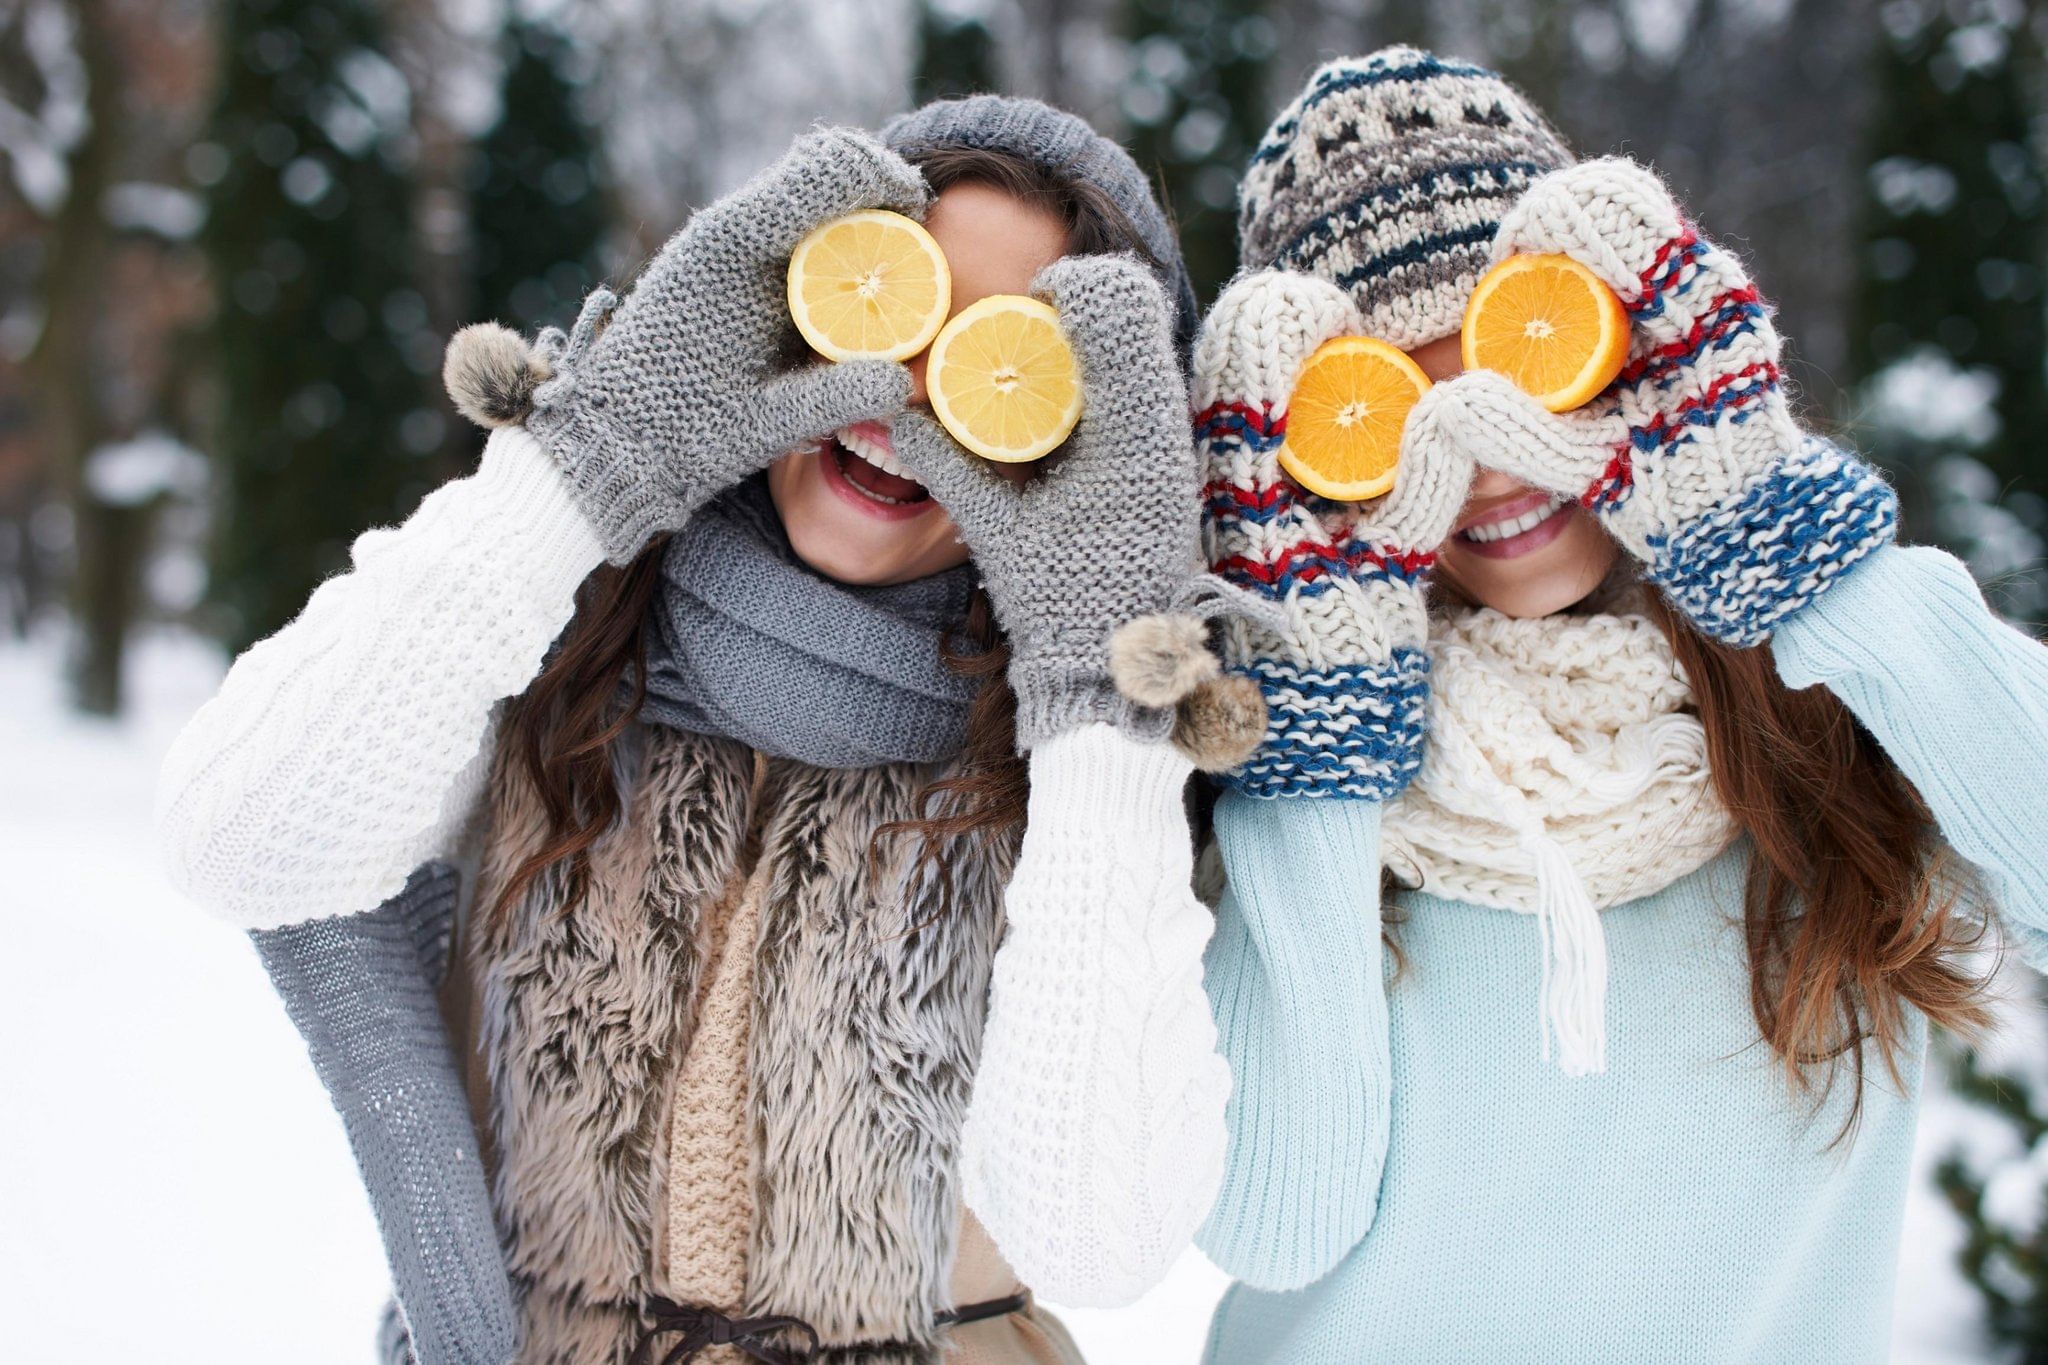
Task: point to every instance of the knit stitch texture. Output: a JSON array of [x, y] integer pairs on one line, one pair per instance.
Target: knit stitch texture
[[361, 991], [1345, 675], [658, 407], [1670, 1209], [1693, 460], [1388, 176], [1108, 533], [352, 746]]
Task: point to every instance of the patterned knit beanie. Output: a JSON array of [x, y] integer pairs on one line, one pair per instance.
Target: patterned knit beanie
[[1388, 176], [1056, 141]]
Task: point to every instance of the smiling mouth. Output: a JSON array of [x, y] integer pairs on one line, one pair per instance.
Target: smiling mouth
[[1516, 527], [861, 467]]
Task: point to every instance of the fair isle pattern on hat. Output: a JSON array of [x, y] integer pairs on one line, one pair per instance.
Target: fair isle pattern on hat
[[1388, 176]]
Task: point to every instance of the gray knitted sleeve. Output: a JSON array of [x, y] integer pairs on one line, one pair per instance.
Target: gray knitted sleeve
[[360, 990]]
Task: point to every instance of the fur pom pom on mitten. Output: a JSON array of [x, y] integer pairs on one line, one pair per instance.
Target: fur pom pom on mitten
[[491, 372], [655, 405], [1166, 660]]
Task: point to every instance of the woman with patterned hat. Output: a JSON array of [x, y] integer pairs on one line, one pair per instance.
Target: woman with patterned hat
[[757, 748], [1629, 803]]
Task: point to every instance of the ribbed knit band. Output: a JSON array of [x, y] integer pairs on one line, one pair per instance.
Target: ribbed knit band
[[1347, 730], [1053, 699], [360, 989], [1739, 571], [1065, 145], [615, 478], [1388, 176]]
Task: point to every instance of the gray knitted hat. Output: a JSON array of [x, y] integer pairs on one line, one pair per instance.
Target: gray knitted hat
[[1059, 142], [1388, 176]]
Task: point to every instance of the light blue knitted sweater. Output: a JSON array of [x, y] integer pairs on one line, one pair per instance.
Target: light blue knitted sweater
[[1445, 1195]]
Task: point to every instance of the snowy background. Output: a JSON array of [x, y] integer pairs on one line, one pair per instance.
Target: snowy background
[[235, 233]]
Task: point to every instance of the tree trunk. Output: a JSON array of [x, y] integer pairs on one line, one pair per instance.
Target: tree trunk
[[107, 539]]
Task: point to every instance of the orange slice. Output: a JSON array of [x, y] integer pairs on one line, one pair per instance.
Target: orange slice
[[1550, 325], [1345, 417], [871, 285], [1003, 380]]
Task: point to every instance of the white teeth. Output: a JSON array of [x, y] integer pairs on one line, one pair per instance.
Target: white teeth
[[1501, 530], [880, 458]]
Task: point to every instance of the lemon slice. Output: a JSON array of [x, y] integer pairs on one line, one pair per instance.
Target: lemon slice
[[1548, 324], [871, 285], [1003, 380], [1345, 416]]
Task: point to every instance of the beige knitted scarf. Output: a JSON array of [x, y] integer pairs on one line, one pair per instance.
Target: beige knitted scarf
[[1566, 773]]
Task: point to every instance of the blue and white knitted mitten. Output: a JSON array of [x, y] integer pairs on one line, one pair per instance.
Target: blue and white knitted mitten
[[1693, 458], [1346, 680]]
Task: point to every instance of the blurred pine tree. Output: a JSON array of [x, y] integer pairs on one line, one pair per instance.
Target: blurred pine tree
[[2005, 1246], [539, 207], [320, 337], [1949, 330], [1196, 100], [955, 55]]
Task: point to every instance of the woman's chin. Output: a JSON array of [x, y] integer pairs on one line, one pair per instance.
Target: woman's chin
[[851, 544]]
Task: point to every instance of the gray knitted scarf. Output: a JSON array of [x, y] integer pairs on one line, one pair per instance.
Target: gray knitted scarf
[[746, 642]]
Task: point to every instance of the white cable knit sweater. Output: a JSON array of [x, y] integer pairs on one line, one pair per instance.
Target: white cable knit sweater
[[352, 746]]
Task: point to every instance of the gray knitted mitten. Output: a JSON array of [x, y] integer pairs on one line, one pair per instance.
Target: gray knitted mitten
[[678, 396], [360, 989], [1109, 530]]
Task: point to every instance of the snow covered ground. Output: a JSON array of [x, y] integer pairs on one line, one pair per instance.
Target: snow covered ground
[[172, 1181]]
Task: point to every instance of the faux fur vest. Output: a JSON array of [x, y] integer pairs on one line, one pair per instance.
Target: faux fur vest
[[869, 1001]]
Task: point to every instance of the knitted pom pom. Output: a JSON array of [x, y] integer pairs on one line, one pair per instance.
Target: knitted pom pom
[[1157, 660], [491, 374], [1219, 724]]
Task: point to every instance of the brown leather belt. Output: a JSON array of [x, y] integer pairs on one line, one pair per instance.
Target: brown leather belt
[[695, 1328]]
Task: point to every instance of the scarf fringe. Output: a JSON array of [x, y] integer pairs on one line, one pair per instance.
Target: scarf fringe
[[1562, 753]]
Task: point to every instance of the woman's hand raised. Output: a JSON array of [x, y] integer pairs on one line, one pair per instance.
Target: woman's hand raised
[[1109, 530], [1692, 458], [658, 407], [1342, 668]]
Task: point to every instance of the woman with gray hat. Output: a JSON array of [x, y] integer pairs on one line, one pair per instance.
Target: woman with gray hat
[[732, 763]]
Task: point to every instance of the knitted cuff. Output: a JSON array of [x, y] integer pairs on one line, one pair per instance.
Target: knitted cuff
[[1052, 701], [612, 474], [1354, 730], [1737, 572]]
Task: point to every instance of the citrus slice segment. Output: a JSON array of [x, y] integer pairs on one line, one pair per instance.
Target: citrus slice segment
[[1549, 325], [871, 285], [1003, 379], [1345, 417]]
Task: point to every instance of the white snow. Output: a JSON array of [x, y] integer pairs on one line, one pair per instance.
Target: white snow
[[1928, 396], [139, 206], [38, 141], [129, 473], [171, 1175]]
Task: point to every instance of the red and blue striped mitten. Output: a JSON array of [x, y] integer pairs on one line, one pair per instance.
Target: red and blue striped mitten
[[1345, 678]]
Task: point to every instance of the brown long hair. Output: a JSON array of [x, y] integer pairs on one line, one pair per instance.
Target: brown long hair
[[561, 730], [1850, 914]]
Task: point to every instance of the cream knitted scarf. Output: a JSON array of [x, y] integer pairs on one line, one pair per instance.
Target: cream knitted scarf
[[1566, 773]]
